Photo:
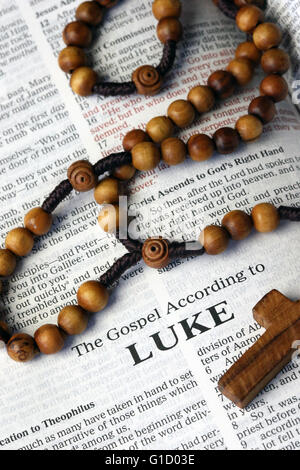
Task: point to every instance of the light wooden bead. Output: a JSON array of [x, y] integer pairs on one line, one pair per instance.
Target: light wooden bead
[[82, 176], [134, 137], [166, 8], [266, 36], [8, 263], [160, 128], [124, 172], [20, 241], [107, 191], [92, 296], [248, 50], [145, 156], [83, 81], [226, 140], [109, 218], [202, 98], [249, 127], [22, 348], [223, 83], [78, 34], [89, 12], [38, 221], [73, 320], [173, 151], [265, 217], [201, 147], [238, 224], [263, 107], [70, 58], [248, 18], [169, 29], [214, 239], [147, 80], [242, 70], [275, 61], [49, 338], [182, 113], [275, 87]]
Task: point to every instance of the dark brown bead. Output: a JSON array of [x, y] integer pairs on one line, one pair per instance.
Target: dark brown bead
[[226, 140], [169, 29], [107, 3], [134, 137], [38, 221], [263, 107], [275, 87], [156, 253], [238, 224], [78, 34], [248, 50], [50, 339], [89, 12], [173, 151], [223, 83], [22, 348], [4, 332], [83, 81], [70, 58], [214, 239], [147, 80], [82, 176], [166, 8], [201, 147], [8, 263], [275, 61], [124, 172]]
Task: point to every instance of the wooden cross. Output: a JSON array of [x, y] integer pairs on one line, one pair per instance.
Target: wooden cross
[[265, 359]]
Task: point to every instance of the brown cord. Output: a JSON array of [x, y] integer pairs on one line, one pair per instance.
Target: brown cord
[[168, 58], [289, 213], [228, 8], [57, 196], [113, 161], [119, 267]]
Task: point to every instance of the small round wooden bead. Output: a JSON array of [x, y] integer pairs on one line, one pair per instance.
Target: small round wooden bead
[[275, 87], [223, 83], [242, 70], [182, 113], [248, 50], [78, 34], [266, 36], [226, 140], [73, 320], [173, 151], [20, 241], [166, 8], [155, 253], [201, 147], [81, 176], [169, 29], [145, 156], [202, 98], [263, 107], [8, 263], [124, 172], [275, 61], [4, 332], [107, 191], [214, 239], [22, 348], [248, 18], [238, 224], [70, 58], [160, 128], [249, 127], [265, 217], [38, 221], [89, 12], [147, 80], [109, 218], [83, 81], [134, 137], [49, 339], [92, 296]]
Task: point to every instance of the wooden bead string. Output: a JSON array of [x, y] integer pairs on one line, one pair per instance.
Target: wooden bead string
[[146, 80]]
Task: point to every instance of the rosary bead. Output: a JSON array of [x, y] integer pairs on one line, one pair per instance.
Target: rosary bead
[[81, 176], [109, 218], [73, 320], [169, 29], [38, 221], [8, 263], [5, 333], [201, 147], [173, 151], [202, 98], [22, 348], [166, 8], [275, 61], [145, 156], [89, 12], [83, 81], [242, 70], [92, 296], [107, 3], [249, 127], [223, 83], [226, 140], [147, 80], [70, 58], [266, 36], [107, 191], [134, 137], [248, 50], [78, 34], [182, 113], [248, 17], [238, 224], [263, 107], [20, 241], [275, 87], [160, 128], [265, 217], [155, 253], [49, 339], [214, 239], [124, 172]]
